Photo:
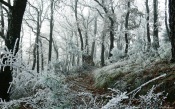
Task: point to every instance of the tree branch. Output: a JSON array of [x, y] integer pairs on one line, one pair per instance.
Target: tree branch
[[6, 4], [45, 38], [104, 8], [32, 6], [2, 36], [6, 10], [99, 13]]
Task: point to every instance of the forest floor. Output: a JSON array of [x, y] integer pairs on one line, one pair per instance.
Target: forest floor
[[85, 82]]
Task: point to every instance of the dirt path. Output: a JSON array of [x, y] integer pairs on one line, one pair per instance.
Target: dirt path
[[84, 83]]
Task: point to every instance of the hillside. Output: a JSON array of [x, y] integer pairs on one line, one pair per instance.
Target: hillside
[[127, 77]]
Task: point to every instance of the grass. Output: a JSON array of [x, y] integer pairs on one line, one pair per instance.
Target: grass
[[128, 81]]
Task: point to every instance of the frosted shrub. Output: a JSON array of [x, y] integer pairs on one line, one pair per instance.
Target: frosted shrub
[[117, 54], [61, 67], [151, 100], [37, 90], [165, 50], [116, 101], [45, 89], [137, 53], [87, 101]]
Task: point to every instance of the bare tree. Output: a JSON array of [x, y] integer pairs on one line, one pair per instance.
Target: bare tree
[[78, 26], [51, 29], [2, 21], [147, 25], [11, 41], [166, 21], [103, 47], [36, 20], [93, 43], [110, 14], [155, 29], [55, 49], [126, 27], [83, 26]]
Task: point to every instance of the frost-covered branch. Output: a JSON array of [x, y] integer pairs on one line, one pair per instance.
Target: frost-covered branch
[[6, 4], [116, 100], [135, 90]]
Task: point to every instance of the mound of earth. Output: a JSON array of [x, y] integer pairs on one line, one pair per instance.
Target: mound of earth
[[128, 81]]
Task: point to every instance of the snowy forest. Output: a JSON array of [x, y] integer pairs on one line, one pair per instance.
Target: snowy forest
[[87, 54]]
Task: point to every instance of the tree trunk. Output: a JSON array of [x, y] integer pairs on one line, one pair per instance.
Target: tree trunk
[[28, 63], [102, 54], [111, 36], [148, 27], [12, 42], [126, 29], [51, 31], [93, 43], [36, 46], [2, 21], [111, 28], [34, 56], [166, 23], [103, 47], [119, 43], [42, 55], [73, 60], [14, 29], [37, 41], [155, 30], [79, 30], [86, 41], [172, 27], [112, 22], [55, 49]]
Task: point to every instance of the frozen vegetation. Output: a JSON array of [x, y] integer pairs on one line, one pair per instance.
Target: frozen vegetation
[[50, 88], [87, 54]]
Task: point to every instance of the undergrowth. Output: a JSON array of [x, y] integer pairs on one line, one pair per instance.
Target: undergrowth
[[48, 88]]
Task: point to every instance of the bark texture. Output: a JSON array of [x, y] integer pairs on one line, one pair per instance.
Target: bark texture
[[172, 27]]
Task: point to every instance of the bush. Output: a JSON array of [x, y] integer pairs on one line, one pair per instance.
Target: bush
[[45, 89]]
